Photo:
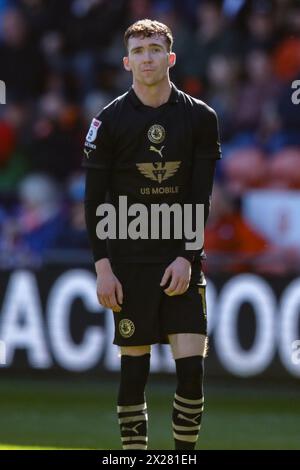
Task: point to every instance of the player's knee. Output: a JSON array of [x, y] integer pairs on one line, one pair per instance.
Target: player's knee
[[190, 372], [187, 345]]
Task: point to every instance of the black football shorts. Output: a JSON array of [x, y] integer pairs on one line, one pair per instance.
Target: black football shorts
[[148, 315]]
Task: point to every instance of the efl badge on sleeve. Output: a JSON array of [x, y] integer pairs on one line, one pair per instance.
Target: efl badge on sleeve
[[92, 133]]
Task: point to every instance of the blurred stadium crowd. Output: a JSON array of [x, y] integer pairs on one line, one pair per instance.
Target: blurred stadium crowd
[[61, 62]]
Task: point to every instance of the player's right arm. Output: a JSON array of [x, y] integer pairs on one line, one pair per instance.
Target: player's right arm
[[109, 288], [98, 156]]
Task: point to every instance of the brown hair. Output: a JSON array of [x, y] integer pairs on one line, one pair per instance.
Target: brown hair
[[147, 28]]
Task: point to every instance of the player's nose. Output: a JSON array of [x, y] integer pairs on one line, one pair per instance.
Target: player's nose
[[147, 57]]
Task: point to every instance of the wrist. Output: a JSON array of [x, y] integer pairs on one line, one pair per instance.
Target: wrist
[[185, 259], [103, 266]]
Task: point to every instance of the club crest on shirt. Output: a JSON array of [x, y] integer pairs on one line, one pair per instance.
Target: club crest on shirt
[[156, 134], [126, 328], [158, 171], [94, 127]]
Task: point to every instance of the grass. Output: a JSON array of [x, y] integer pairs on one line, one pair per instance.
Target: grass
[[57, 414]]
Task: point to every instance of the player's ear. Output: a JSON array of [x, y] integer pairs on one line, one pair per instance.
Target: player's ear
[[172, 59], [126, 64]]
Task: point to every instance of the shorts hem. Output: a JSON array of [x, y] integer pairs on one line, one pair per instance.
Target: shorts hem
[[146, 343], [162, 340], [187, 332]]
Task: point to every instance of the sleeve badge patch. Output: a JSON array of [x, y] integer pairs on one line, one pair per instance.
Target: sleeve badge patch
[[94, 127]]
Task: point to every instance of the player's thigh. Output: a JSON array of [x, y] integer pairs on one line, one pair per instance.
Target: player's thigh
[[135, 350], [188, 344]]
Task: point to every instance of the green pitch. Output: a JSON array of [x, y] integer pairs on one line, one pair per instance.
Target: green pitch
[[57, 414]]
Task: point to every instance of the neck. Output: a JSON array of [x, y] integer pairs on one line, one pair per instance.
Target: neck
[[153, 95]]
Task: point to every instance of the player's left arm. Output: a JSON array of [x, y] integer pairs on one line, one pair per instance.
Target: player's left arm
[[207, 152]]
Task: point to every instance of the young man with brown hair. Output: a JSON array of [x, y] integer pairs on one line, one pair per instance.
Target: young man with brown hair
[[155, 145]]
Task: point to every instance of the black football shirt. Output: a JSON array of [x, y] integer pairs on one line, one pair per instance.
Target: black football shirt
[[152, 156]]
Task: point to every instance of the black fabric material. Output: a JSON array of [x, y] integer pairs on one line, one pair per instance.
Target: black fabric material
[[190, 371], [182, 445], [134, 375], [153, 314], [96, 185], [201, 190], [152, 156]]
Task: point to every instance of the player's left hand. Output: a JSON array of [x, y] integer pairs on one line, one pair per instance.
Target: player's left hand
[[180, 273]]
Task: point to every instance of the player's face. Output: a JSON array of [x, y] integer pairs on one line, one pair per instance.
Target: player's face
[[148, 59]]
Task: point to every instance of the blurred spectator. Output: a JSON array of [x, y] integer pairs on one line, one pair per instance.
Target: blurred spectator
[[222, 95], [288, 116], [74, 235], [7, 142], [284, 169], [12, 162], [138, 9], [260, 31], [211, 38], [287, 54], [255, 104], [287, 58], [36, 224], [24, 71], [244, 169], [231, 244], [56, 147]]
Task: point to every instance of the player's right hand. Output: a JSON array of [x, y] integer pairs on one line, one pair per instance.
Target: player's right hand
[[110, 292], [109, 288]]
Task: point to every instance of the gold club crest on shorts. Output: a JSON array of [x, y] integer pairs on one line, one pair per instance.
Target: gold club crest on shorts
[[156, 134], [126, 328]]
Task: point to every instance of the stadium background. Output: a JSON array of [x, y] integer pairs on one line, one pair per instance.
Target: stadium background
[[61, 62]]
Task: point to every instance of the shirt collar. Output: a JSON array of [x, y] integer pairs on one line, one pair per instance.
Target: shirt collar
[[174, 97]]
